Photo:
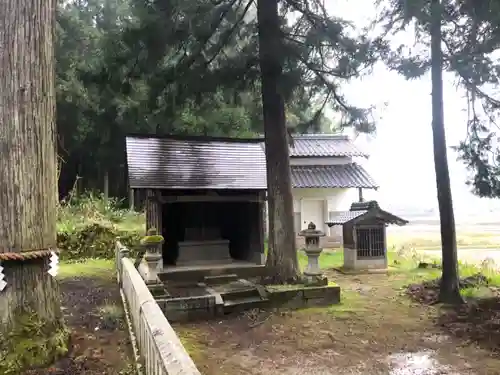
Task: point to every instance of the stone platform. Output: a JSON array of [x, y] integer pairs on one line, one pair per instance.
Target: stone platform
[[191, 301], [198, 273], [301, 296], [218, 296]]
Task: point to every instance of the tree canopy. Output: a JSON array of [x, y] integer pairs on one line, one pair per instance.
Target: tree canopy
[[471, 40], [192, 67]]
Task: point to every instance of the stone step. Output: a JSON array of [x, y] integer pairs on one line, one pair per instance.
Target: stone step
[[158, 290], [220, 279], [240, 293], [198, 273], [242, 304]]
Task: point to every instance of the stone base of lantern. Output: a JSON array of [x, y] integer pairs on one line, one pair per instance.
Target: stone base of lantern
[[315, 280], [149, 268]]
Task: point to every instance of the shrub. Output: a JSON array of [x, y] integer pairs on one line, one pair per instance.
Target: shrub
[[94, 241], [89, 226]]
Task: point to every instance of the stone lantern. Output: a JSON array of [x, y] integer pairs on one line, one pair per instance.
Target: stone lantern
[[313, 250], [152, 262]]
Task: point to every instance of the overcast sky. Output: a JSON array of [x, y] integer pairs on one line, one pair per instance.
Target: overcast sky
[[401, 153]]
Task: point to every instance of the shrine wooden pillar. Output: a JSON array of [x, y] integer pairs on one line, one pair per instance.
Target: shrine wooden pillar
[[153, 211]]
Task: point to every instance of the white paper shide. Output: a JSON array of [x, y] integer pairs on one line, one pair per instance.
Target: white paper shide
[[54, 264], [3, 283]]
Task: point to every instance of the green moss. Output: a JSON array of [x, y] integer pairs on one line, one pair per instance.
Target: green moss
[[150, 240], [283, 287], [103, 269], [190, 340], [278, 287], [31, 343]]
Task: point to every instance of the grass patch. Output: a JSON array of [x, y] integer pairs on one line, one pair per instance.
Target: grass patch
[[99, 268], [412, 274], [432, 241], [190, 340], [493, 276], [384, 293], [478, 292], [409, 265], [478, 281], [327, 259], [351, 303]]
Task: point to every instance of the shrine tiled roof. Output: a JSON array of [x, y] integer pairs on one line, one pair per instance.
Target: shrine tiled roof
[[362, 211], [350, 175], [344, 217], [173, 162], [324, 145]]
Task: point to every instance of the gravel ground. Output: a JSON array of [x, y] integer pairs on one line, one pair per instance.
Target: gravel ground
[[376, 331]]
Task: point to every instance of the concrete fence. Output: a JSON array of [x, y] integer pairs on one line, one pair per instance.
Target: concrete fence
[[161, 351]]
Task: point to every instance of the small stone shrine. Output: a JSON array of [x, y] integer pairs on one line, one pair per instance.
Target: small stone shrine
[[364, 235]]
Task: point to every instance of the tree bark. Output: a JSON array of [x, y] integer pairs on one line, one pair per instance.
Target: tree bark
[[282, 252], [106, 186], [450, 290], [28, 178]]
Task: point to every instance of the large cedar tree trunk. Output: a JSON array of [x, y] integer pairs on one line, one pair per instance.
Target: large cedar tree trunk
[[449, 291], [282, 254], [30, 310]]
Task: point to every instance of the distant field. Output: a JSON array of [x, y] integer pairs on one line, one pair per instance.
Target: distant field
[[425, 234], [473, 220]]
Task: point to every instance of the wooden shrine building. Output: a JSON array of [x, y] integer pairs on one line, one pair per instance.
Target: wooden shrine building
[[364, 235], [205, 195]]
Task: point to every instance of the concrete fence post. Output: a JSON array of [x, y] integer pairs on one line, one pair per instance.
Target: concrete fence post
[[120, 253]]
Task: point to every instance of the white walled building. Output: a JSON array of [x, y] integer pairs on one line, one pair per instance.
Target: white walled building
[[325, 180]]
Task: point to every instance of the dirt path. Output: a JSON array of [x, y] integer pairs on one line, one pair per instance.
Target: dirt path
[[99, 340], [376, 331]]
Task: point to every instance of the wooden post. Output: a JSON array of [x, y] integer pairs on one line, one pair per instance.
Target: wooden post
[[150, 209], [153, 211], [131, 198], [326, 217], [262, 232], [360, 194], [301, 214]]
